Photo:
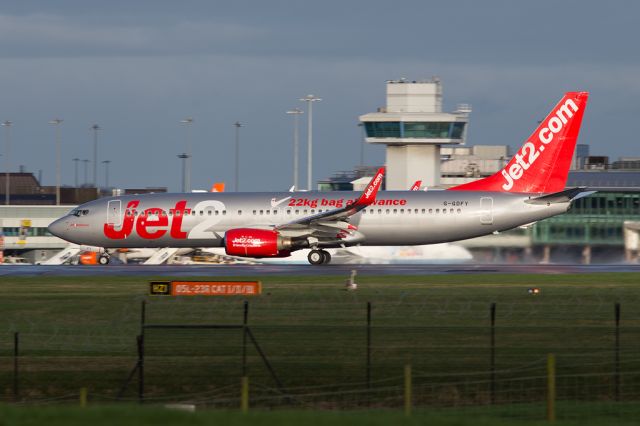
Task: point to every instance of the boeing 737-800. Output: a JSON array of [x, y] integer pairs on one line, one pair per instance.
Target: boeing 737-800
[[531, 187]]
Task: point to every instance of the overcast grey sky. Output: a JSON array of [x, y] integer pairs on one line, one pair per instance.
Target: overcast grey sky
[[138, 67]]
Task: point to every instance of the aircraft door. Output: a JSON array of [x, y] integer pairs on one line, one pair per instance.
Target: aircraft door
[[114, 213], [486, 210]]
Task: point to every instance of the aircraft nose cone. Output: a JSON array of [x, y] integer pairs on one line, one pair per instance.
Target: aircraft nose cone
[[57, 228]]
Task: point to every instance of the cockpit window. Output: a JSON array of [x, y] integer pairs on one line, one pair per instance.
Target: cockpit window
[[75, 212], [85, 212]]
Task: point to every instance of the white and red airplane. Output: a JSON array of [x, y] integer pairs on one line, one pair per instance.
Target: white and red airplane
[[531, 187]]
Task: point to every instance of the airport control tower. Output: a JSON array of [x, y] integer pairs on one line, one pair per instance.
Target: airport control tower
[[413, 127]]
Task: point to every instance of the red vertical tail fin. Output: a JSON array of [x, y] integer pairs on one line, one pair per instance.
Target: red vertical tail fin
[[542, 164]]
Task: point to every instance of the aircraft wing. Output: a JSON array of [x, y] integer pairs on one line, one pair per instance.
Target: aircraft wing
[[332, 220]]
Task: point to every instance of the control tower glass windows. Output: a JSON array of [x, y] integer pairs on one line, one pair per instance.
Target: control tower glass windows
[[417, 130], [456, 130], [426, 130], [384, 129]]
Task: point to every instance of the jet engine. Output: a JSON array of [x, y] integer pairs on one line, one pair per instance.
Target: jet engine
[[248, 242]]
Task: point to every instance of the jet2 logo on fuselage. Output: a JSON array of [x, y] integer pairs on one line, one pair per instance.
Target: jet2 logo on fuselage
[[154, 222]]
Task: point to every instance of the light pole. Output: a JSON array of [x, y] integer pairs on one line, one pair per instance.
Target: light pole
[[7, 127], [75, 171], [56, 122], [86, 168], [295, 112], [184, 157], [95, 128], [310, 99], [106, 173], [186, 185], [237, 124]]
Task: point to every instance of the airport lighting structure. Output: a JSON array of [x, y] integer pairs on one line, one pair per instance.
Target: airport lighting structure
[[7, 187], [56, 122], [296, 145], [237, 125], [75, 171], [186, 186], [86, 169], [106, 172], [310, 99], [184, 157], [95, 129]]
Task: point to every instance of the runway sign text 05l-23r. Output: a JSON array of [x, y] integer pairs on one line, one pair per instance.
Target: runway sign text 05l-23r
[[205, 288]]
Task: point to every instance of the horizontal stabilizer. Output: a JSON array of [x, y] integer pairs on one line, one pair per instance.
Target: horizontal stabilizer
[[561, 197]]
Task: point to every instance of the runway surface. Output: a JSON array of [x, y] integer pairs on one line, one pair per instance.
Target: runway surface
[[328, 270]]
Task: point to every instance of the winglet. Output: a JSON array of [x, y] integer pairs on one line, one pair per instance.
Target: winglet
[[369, 194], [416, 186]]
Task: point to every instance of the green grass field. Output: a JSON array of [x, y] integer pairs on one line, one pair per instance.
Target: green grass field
[[157, 416], [80, 332]]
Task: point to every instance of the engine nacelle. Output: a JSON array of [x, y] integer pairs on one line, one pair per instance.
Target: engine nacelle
[[248, 242]]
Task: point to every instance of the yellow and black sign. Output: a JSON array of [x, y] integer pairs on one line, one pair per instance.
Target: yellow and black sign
[[205, 288], [160, 288]]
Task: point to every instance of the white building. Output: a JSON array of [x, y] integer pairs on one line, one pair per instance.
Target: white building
[[413, 127]]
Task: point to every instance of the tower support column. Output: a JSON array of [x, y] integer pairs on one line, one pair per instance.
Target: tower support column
[[412, 163]]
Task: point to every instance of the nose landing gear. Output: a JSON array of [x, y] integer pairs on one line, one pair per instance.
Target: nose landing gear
[[319, 257]]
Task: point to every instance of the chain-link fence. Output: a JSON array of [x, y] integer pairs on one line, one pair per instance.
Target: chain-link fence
[[336, 350]]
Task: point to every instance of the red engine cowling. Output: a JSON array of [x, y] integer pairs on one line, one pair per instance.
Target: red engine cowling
[[249, 242]]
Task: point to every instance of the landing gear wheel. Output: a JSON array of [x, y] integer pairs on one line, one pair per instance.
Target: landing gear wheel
[[103, 260], [319, 257], [316, 257]]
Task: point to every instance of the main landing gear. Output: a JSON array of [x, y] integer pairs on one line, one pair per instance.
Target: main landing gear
[[319, 257], [103, 259]]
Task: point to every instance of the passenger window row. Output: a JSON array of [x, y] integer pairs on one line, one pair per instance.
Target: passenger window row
[[289, 212], [178, 213], [410, 211]]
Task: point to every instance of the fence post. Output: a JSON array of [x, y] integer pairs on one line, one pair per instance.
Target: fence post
[[16, 354], [617, 353], [140, 341], [551, 388], [368, 345], [408, 390], [245, 319], [143, 320], [492, 361], [83, 397], [244, 394]]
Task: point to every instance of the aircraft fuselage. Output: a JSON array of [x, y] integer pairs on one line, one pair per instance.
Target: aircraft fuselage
[[201, 219]]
